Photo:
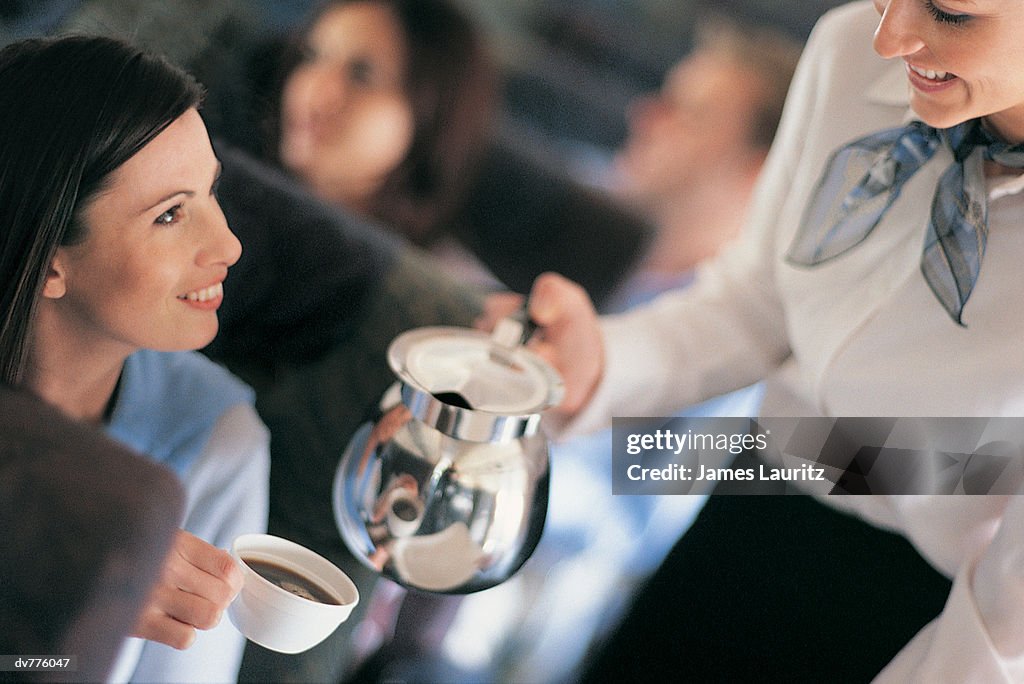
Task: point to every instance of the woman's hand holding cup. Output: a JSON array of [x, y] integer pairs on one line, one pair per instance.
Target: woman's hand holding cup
[[197, 584]]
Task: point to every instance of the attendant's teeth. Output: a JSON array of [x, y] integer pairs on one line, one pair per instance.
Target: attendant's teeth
[[931, 74]]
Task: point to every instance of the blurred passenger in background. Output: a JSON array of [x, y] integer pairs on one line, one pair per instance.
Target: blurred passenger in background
[[695, 149], [385, 109]]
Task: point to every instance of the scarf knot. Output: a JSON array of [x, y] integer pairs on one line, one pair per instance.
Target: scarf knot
[[862, 180]]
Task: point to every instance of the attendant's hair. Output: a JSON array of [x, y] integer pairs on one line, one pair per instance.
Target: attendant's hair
[[452, 84], [72, 110]]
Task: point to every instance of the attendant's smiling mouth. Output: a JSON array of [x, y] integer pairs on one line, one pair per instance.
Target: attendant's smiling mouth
[[931, 74]]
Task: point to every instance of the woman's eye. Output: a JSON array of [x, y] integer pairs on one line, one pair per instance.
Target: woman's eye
[[170, 216], [945, 17], [360, 71], [307, 53]]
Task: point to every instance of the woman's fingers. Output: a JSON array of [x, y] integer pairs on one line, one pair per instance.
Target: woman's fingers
[[204, 570], [155, 625], [197, 583]]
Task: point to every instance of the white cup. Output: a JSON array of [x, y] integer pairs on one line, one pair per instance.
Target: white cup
[[279, 619]]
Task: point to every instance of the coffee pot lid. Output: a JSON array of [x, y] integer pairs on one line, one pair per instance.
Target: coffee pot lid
[[474, 385]]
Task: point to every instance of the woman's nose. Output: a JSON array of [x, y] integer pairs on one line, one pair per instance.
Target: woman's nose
[[899, 30], [644, 111], [220, 246], [324, 90]]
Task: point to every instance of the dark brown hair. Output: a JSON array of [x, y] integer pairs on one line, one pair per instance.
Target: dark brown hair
[[72, 110]]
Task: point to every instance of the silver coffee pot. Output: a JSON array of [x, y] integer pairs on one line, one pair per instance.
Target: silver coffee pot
[[447, 490]]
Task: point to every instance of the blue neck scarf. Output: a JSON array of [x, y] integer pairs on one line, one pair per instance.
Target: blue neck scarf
[[862, 180]]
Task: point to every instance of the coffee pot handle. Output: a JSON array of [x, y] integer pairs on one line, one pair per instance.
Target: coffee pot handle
[[516, 329]]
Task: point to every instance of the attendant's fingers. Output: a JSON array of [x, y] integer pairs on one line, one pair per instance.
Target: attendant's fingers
[[571, 338], [497, 306]]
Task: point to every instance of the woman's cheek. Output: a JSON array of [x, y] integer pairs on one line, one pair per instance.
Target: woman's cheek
[[351, 159], [297, 144], [384, 135]]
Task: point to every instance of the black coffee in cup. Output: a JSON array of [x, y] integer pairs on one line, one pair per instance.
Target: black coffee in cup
[[291, 581]]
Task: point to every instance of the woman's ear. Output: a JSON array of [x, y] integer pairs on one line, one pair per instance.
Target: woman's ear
[[55, 285]]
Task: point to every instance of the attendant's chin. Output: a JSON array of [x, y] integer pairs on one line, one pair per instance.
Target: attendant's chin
[[937, 118]]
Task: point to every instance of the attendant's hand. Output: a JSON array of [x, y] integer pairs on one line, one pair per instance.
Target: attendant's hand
[[197, 583], [569, 337]]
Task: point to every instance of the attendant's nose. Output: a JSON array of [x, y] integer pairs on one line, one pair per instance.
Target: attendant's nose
[[899, 30]]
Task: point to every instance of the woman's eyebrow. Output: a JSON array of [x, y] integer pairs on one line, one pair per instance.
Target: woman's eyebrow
[[187, 193]]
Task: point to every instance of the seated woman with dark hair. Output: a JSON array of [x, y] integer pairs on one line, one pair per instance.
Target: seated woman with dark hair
[[115, 250], [385, 108]]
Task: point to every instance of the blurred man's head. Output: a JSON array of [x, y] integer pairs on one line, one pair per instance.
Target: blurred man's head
[[715, 115]]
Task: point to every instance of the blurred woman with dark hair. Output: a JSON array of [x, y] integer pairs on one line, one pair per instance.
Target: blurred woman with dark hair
[[385, 109]]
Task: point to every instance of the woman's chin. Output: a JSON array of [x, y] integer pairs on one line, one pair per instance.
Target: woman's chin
[[296, 152], [198, 338]]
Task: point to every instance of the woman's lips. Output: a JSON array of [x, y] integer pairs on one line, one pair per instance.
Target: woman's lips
[[207, 298], [298, 144]]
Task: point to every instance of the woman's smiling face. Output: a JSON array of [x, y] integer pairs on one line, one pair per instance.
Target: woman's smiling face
[[964, 59], [346, 120], [148, 273]]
